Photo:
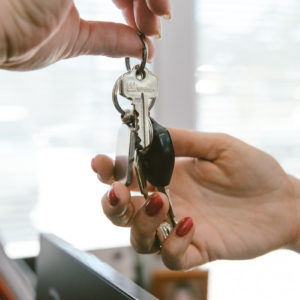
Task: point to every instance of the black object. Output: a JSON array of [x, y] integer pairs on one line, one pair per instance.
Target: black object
[[65, 273], [157, 163]]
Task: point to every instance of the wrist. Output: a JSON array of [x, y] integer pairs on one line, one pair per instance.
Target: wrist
[[295, 184]]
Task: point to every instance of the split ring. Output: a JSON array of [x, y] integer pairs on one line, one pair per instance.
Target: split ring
[[141, 68]]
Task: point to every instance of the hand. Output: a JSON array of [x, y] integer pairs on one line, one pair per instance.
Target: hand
[[144, 14], [37, 33], [239, 201]]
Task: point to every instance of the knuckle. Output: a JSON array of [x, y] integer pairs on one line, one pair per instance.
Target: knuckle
[[224, 137], [142, 246], [171, 258], [173, 263], [120, 217]]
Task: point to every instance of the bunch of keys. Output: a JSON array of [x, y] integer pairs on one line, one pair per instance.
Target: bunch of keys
[[150, 149]]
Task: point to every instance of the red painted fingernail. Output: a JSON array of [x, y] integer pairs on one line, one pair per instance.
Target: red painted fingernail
[[113, 199], [93, 165], [184, 226], [154, 205]]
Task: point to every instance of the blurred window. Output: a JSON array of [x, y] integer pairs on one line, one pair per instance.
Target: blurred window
[[52, 122], [249, 73], [248, 86]]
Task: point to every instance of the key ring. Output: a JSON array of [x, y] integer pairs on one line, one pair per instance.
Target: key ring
[[141, 68]]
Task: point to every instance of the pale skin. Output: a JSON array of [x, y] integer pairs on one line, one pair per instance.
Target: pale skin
[[241, 201], [37, 33]]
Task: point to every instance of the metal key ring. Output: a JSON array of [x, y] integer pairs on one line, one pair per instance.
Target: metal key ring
[[141, 68], [115, 92]]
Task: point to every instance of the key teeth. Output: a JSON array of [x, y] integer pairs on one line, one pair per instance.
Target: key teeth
[[138, 142], [137, 127]]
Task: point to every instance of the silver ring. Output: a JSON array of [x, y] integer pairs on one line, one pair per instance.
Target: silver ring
[[141, 68], [166, 229]]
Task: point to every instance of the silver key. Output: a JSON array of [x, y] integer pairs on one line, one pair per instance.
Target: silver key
[[142, 182], [133, 84], [171, 215], [139, 88], [125, 155], [142, 122]]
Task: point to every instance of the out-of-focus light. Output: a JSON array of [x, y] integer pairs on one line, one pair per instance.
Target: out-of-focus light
[[10, 113], [22, 249], [207, 87]]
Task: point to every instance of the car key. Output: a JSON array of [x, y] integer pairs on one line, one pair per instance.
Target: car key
[[153, 154], [157, 163]]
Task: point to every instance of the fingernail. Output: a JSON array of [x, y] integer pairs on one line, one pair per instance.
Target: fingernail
[[184, 226], [154, 205], [113, 199], [167, 16], [93, 165], [157, 36]]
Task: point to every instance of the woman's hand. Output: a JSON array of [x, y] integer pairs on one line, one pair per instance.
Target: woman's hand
[[144, 14], [232, 201], [37, 33]]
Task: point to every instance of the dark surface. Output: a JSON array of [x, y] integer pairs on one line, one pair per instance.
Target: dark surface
[[158, 162], [69, 274]]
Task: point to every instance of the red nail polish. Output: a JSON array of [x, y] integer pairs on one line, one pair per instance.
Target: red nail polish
[[93, 165], [184, 226], [154, 205], [113, 199]]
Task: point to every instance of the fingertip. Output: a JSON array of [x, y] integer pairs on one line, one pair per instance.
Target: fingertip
[[159, 8], [116, 204], [161, 195], [184, 227], [143, 235], [117, 195], [157, 202], [151, 49], [113, 199], [174, 249], [104, 167], [146, 21], [121, 191], [93, 165]]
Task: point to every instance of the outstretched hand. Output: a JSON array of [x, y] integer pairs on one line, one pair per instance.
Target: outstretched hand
[[37, 33], [232, 201]]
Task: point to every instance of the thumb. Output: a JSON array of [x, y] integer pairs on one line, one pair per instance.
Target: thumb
[[109, 39], [207, 146]]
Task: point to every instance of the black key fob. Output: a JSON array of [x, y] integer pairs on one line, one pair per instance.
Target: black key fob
[[157, 163]]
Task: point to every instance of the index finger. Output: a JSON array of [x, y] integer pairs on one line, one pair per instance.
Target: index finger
[[104, 166], [160, 7]]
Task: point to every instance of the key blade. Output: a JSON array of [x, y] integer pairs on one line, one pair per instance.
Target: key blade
[[171, 215], [143, 124], [140, 178]]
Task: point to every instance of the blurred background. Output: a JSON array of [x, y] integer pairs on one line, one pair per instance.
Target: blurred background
[[238, 68]]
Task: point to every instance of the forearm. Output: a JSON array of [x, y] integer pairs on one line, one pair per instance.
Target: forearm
[[295, 183]]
